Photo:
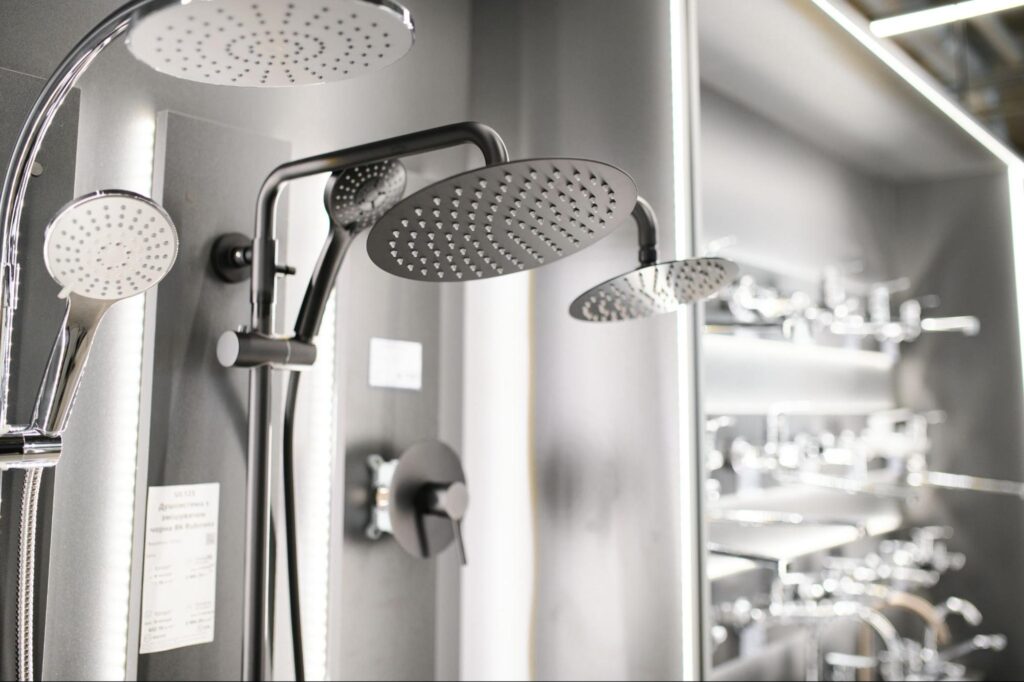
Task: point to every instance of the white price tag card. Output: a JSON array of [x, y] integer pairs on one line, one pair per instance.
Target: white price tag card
[[179, 588], [396, 364]]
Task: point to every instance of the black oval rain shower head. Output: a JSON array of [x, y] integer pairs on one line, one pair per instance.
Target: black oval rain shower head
[[653, 288], [501, 219]]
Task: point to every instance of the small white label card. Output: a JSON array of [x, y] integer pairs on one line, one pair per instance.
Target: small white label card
[[396, 364], [179, 588]]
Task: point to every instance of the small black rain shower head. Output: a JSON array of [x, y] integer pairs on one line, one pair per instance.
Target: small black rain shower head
[[653, 288]]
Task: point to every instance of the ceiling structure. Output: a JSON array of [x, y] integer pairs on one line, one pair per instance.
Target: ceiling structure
[[980, 61]]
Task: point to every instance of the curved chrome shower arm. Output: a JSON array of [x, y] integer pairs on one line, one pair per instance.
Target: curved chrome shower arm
[[19, 171], [647, 232]]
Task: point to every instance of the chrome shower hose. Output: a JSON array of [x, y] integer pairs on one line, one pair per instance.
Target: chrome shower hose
[[27, 573]]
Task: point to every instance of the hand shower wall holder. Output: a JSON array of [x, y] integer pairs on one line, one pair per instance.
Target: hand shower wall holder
[[420, 499], [231, 258]]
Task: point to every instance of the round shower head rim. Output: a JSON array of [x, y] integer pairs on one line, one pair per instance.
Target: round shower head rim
[[731, 277], [611, 222], [84, 199], [146, 8]]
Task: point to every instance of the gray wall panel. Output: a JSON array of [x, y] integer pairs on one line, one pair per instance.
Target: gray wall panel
[[210, 178], [385, 628]]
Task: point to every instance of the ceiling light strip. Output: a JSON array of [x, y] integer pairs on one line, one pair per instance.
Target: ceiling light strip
[[939, 16]]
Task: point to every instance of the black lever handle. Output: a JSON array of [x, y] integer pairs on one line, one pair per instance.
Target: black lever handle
[[449, 500]]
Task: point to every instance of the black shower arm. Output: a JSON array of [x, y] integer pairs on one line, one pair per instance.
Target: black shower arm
[[485, 138], [647, 232]]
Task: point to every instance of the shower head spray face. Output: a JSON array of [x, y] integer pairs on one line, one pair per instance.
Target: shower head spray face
[[654, 289], [358, 197], [102, 248], [501, 219], [272, 43], [110, 246]]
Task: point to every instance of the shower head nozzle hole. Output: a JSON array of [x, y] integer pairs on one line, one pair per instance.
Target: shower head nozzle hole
[[654, 289], [265, 43], [117, 257]]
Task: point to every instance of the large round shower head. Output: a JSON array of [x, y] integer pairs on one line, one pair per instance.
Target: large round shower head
[[361, 195], [110, 245], [501, 219], [272, 43], [654, 289]]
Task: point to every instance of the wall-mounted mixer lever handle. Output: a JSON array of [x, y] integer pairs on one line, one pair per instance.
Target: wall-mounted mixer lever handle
[[451, 501]]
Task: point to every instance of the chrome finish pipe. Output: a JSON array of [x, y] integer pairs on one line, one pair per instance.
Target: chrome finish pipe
[[257, 636], [19, 171]]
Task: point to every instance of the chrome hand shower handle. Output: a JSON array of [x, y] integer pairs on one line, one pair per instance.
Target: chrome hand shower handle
[[66, 365]]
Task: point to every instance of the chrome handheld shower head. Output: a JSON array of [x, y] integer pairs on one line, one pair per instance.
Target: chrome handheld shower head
[[272, 43], [101, 248], [653, 288], [502, 219], [360, 196]]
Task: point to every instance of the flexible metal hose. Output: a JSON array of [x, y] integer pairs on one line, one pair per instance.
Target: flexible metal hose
[[27, 574], [292, 544]]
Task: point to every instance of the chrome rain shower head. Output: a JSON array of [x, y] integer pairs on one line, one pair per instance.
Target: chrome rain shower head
[[653, 288], [358, 197], [501, 219], [272, 43], [101, 248]]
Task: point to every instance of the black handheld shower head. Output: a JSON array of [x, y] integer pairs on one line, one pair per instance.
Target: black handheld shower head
[[653, 288], [355, 198]]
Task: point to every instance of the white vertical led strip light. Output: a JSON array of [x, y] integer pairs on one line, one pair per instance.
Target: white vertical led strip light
[[124, 327], [939, 16], [313, 506], [857, 26], [683, 32]]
